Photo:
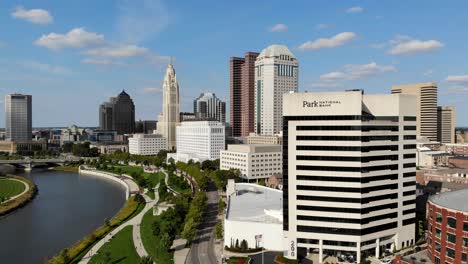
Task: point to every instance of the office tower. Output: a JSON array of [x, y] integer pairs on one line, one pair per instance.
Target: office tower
[[446, 124], [276, 73], [185, 116], [18, 117], [208, 106], [169, 117], [145, 126], [118, 114], [105, 115], [242, 93], [426, 103], [348, 173], [199, 140]]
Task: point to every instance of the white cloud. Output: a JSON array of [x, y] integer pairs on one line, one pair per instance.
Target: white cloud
[[75, 38], [278, 28], [415, 46], [141, 20], [321, 26], [43, 67], [326, 85], [36, 16], [335, 41], [152, 90], [428, 72], [456, 90], [333, 76], [457, 78], [100, 61], [123, 51], [355, 9], [357, 71]]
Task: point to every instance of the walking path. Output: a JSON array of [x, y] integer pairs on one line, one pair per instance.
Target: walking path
[[26, 189], [135, 222], [166, 179]]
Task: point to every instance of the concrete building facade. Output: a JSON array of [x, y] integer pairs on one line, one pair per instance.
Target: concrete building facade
[[426, 103], [242, 94], [253, 161], [276, 73], [146, 144], [446, 124], [265, 139], [199, 141], [348, 173], [18, 117]]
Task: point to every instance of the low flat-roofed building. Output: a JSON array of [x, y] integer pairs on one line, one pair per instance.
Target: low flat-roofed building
[[254, 211], [146, 144], [427, 158], [253, 161], [443, 175], [108, 148]]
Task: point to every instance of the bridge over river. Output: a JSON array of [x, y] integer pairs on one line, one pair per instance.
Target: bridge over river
[[28, 164]]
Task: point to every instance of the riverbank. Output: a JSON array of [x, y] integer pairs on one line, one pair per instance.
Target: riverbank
[[20, 200], [65, 168]]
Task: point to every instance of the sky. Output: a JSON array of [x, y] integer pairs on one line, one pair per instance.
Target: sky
[[73, 55]]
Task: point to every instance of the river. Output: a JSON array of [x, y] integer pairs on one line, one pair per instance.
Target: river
[[67, 208]]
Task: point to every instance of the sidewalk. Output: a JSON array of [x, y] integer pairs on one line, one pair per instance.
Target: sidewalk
[[135, 222]]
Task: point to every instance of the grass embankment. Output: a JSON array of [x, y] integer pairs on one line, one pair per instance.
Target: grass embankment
[[74, 253], [10, 188], [13, 187], [152, 243], [119, 249], [238, 260], [65, 168]]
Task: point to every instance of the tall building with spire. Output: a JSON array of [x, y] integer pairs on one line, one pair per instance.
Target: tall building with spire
[[169, 117]]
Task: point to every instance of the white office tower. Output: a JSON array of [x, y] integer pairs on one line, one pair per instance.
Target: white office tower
[[146, 144], [18, 117], [199, 140], [348, 173], [169, 117], [276, 73]]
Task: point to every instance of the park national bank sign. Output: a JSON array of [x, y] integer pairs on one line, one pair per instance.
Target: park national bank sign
[[320, 103]]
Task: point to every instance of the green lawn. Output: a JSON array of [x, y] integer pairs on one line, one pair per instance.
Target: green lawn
[[154, 178], [9, 188], [151, 243], [120, 247]]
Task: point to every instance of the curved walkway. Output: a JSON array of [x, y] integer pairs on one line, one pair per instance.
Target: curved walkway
[[166, 179], [26, 189], [135, 222]]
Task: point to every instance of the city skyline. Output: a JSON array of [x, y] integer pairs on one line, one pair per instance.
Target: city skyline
[[57, 56]]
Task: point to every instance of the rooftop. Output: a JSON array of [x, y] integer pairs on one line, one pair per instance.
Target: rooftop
[[254, 148], [255, 203], [276, 50], [455, 200]]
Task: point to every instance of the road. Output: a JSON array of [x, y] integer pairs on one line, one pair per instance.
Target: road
[[202, 251]]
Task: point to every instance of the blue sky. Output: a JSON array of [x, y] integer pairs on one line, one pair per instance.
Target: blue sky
[[73, 55]]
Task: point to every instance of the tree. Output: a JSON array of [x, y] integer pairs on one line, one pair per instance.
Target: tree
[[219, 230], [237, 243], [166, 241], [64, 256], [244, 246], [190, 229]]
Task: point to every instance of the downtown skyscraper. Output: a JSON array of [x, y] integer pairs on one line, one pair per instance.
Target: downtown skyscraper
[[170, 115], [276, 73], [242, 93], [208, 106], [18, 117], [118, 114], [349, 173], [426, 104]]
